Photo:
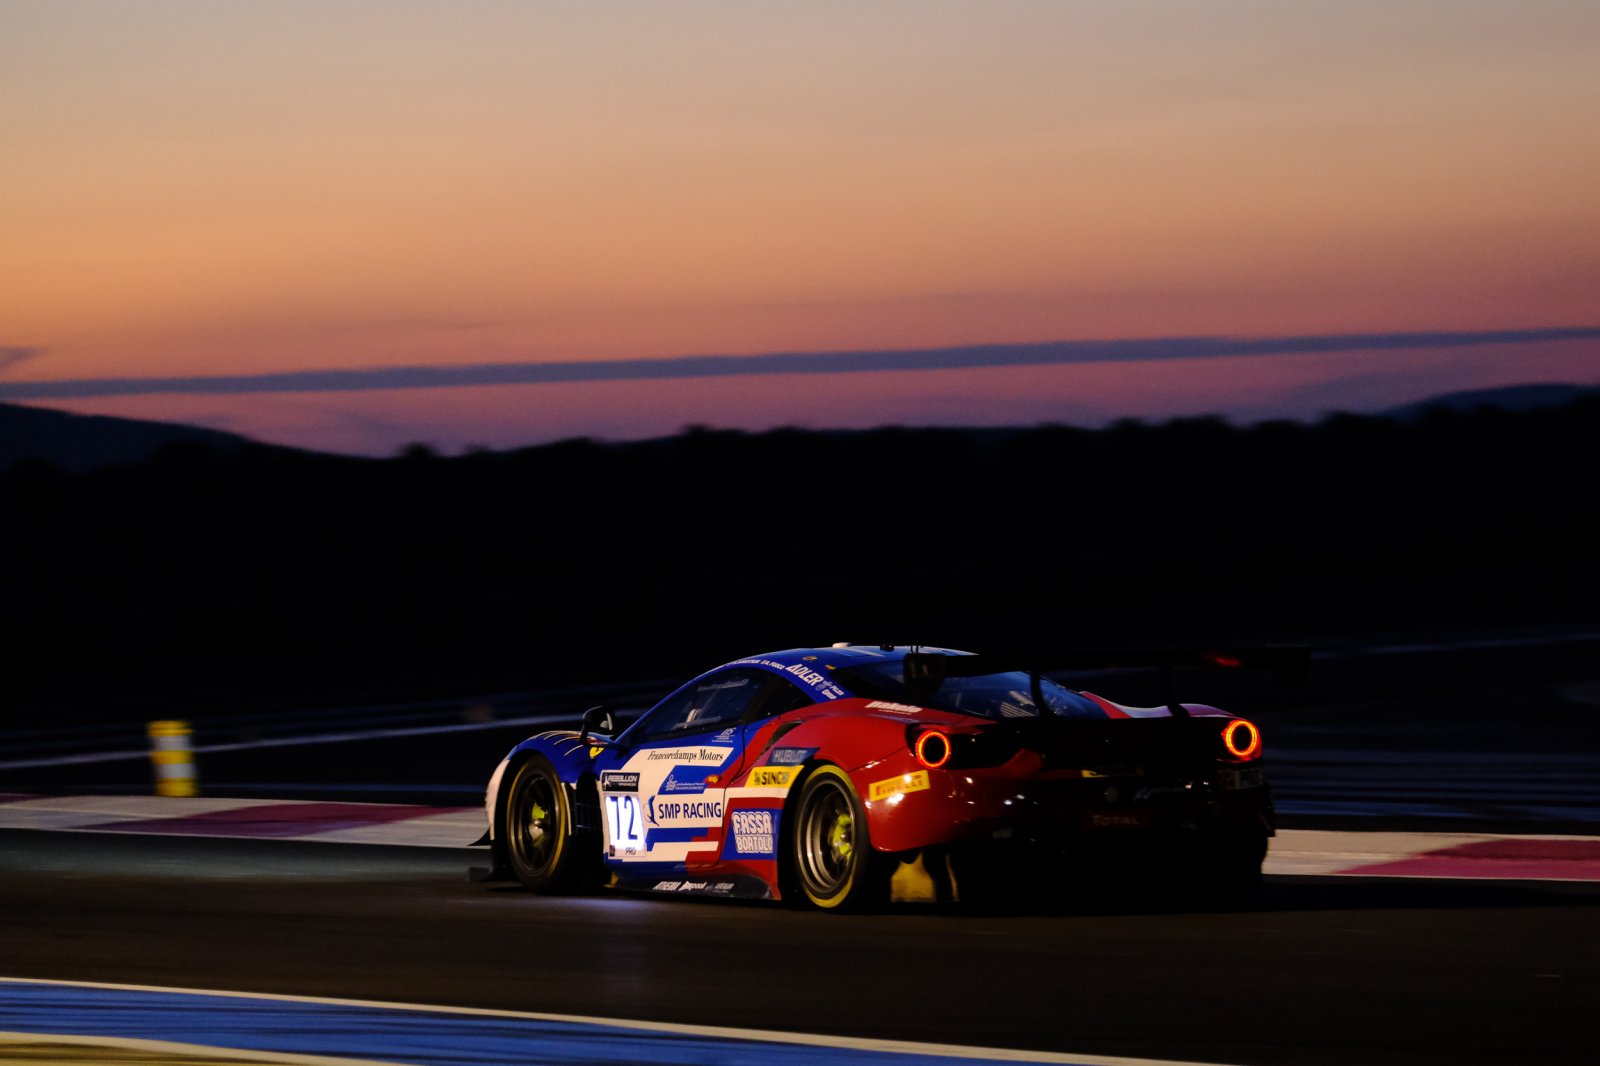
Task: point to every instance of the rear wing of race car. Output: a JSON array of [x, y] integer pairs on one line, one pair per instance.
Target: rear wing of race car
[[1287, 663]]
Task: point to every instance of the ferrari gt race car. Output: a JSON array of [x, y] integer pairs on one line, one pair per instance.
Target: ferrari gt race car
[[837, 776]]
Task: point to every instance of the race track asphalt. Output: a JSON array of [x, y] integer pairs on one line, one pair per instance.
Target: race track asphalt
[[1315, 970]]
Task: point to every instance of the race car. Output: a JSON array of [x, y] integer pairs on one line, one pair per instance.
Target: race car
[[841, 776]]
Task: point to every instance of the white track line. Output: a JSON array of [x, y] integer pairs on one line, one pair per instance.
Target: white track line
[[205, 1053]]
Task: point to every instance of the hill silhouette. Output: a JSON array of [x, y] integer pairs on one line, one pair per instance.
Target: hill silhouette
[[218, 577], [86, 442], [1506, 398]]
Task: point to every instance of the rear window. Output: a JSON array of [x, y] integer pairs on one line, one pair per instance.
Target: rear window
[[1007, 694]]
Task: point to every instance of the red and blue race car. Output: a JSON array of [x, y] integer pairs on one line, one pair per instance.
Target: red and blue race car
[[844, 775]]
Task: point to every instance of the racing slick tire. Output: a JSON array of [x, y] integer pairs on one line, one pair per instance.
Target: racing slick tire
[[543, 846], [830, 859]]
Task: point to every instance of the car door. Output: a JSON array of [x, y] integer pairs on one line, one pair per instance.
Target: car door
[[662, 796]]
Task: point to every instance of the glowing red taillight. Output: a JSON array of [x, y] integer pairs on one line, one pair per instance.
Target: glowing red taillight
[[933, 748], [1242, 739]]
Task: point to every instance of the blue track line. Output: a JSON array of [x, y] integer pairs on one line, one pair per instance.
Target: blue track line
[[424, 1037]]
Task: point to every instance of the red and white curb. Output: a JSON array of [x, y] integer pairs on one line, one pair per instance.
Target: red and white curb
[[1295, 852], [1314, 852], [335, 823]]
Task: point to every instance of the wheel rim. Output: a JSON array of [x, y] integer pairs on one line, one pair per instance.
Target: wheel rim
[[535, 823], [828, 840]]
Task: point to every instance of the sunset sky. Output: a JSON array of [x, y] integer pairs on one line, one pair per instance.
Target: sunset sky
[[232, 191]]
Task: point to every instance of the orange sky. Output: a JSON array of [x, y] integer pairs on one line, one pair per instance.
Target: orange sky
[[202, 188]]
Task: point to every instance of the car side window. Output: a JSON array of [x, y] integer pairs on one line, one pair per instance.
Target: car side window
[[715, 702], [783, 696]]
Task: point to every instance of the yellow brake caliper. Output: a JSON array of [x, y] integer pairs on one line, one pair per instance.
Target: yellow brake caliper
[[535, 816], [839, 837]]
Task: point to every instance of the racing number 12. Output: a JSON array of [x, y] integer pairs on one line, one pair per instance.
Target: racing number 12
[[623, 814]]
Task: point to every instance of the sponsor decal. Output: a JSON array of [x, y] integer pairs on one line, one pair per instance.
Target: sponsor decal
[[758, 662], [789, 756], [707, 756], [754, 834], [726, 736], [679, 781], [595, 750], [805, 673], [819, 683], [619, 781], [897, 786], [662, 812], [893, 708], [714, 888], [1117, 821], [772, 776]]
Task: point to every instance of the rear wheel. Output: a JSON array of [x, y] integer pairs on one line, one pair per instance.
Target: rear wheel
[[541, 845], [831, 856]]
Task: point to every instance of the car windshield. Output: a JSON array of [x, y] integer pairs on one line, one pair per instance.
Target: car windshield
[[1007, 694]]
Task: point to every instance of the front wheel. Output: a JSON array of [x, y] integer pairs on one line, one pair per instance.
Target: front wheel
[[542, 847], [830, 853]]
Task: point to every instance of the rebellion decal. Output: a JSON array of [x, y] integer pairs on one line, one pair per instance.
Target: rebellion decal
[[898, 786], [754, 835], [619, 781]]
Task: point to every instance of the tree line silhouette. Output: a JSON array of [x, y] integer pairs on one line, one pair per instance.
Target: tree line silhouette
[[207, 578]]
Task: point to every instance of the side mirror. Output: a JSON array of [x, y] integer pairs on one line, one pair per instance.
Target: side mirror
[[598, 720]]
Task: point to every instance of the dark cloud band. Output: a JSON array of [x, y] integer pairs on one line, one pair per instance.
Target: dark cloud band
[[710, 366], [10, 357]]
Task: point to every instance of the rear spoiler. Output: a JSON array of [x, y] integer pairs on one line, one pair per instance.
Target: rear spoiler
[[1288, 664]]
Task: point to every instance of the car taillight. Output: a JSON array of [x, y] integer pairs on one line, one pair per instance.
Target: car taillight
[[1241, 740], [933, 748], [938, 748]]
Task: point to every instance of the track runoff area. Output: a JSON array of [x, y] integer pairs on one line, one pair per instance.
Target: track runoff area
[[82, 1022]]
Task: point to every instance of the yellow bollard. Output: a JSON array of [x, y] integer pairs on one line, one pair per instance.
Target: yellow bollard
[[172, 759]]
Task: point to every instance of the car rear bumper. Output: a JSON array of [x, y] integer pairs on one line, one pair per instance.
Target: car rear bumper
[[1067, 811]]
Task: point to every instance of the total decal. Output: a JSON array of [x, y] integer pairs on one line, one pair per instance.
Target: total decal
[[660, 799]]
